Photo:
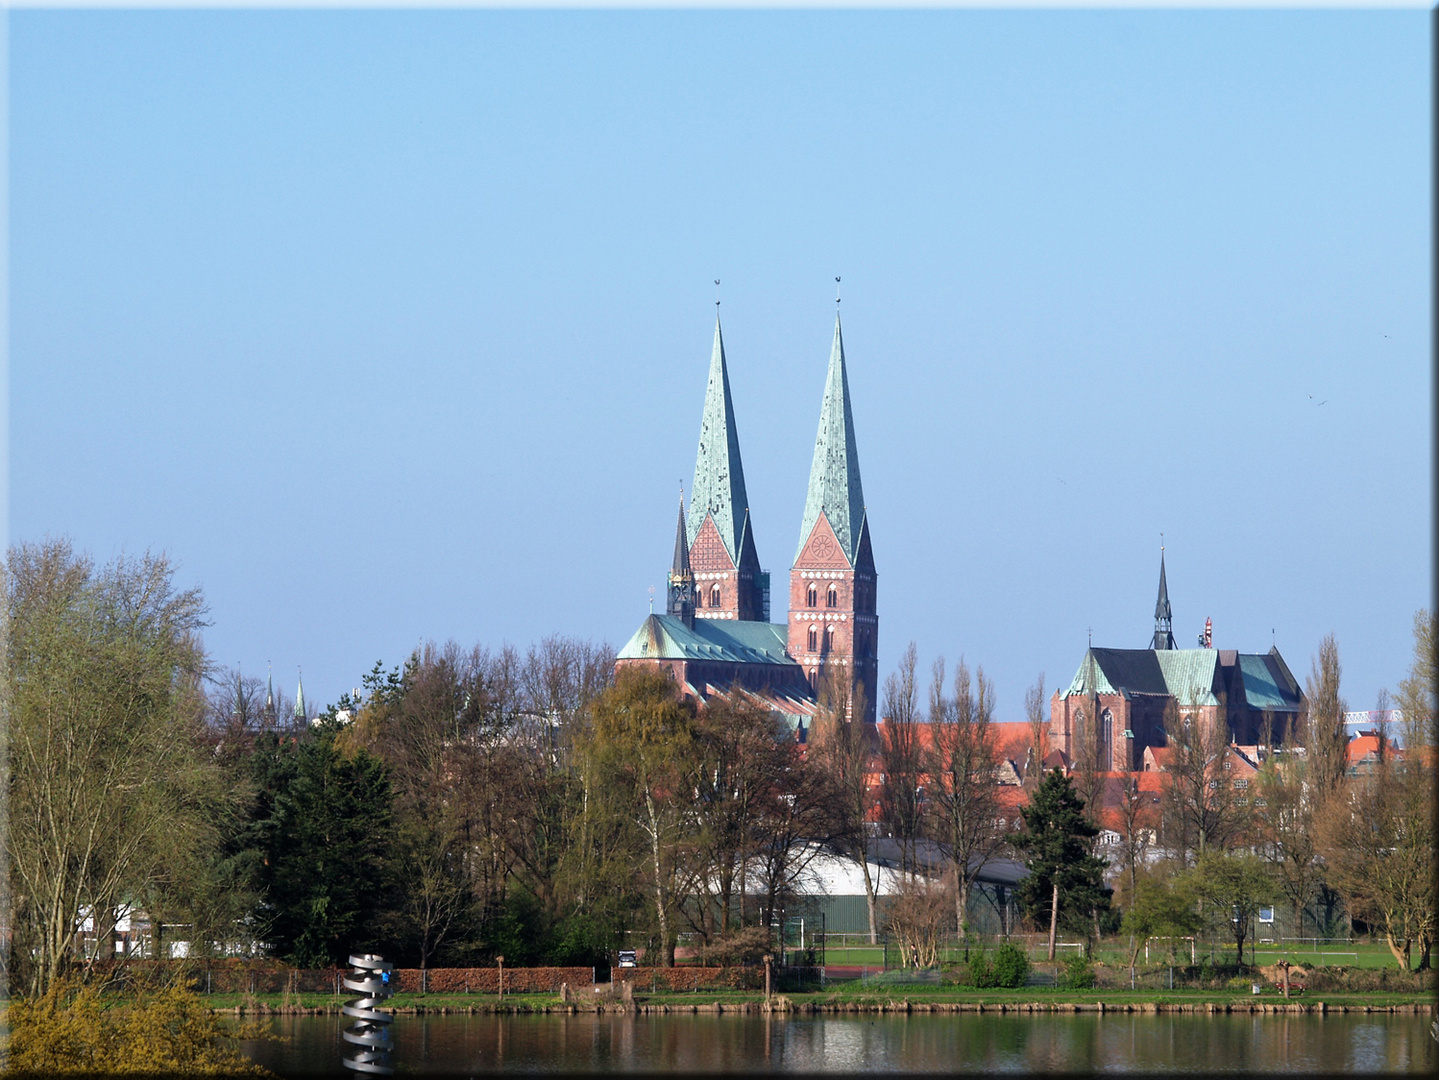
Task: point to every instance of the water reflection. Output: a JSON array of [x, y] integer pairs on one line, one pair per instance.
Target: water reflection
[[473, 1045]]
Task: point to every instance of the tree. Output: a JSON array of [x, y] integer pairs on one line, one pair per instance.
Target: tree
[[961, 766], [1377, 836], [902, 758], [1201, 810], [644, 740], [108, 796], [1064, 878], [1324, 736], [1159, 906], [1237, 885], [1283, 829], [1419, 691], [1038, 733], [321, 828], [842, 749]]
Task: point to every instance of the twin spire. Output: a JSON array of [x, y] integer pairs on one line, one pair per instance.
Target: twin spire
[[834, 485], [719, 490]]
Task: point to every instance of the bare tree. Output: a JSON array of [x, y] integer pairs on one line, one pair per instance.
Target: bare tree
[[1200, 808], [902, 756], [961, 764], [1324, 735], [1038, 732], [843, 750]]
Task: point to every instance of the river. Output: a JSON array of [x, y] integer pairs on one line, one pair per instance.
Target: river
[[1044, 1042]]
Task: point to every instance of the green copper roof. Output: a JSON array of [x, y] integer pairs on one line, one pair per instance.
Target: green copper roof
[[719, 477], [834, 486], [1265, 687], [1182, 673], [664, 637]]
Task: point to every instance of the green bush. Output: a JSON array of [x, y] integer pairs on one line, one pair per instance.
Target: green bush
[[981, 972], [1240, 984], [1011, 966], [1078, 973]]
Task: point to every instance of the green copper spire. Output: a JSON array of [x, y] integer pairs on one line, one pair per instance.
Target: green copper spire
[[719, 477], [300, 700], [834, 486]]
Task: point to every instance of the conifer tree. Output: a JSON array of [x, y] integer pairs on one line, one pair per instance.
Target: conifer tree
[[1065, 880]]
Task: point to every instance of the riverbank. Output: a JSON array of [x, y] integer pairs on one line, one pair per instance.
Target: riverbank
[[1027, 1001]]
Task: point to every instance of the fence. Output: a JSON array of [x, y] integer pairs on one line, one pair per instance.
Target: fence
[[267, 977]]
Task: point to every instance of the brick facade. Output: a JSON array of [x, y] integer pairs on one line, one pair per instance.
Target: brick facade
[[833, 619]]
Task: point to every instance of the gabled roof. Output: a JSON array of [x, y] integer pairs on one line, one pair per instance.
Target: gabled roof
[[834, 485], [718, 489], [664, 637], [1268, 686], [1186, 674]]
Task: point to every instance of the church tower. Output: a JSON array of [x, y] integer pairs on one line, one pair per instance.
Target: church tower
[[681, 599], [1163, 618], [728, 582], [832, 617]]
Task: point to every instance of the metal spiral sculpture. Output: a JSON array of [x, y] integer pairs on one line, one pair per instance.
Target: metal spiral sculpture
[[371, 1029]]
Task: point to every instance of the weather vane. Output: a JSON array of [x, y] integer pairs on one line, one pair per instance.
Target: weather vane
[[717, 292], [836, 292], [652, 599]]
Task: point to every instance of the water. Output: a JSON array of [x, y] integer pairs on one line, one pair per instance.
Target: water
[[1127, 1042]]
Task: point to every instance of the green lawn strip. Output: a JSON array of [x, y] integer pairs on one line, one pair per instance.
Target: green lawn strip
[[845, 996]]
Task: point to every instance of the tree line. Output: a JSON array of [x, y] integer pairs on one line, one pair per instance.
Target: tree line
[[475, 803]]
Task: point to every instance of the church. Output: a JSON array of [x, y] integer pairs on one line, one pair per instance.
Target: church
[[1254, 695], [715, 635]]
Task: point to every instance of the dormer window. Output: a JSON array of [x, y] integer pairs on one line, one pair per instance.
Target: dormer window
[[812, 595], [832, 598]]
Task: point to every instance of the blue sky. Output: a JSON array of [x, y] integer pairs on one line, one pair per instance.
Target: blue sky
[[392, 326]]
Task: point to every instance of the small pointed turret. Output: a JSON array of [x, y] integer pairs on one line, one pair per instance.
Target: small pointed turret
[[269, 692], [1163, 617], [300, 716], [718, 489], [681, 581], [834, 485]]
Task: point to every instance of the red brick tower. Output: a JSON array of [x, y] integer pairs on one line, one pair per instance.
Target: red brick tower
[[832, 616]]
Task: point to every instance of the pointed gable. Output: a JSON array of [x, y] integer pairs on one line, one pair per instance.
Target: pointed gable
[[834, 484], [708, 552], [822, 551], [718, 492]]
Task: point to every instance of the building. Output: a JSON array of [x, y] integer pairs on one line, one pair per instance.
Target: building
[[1118, 698], [715, 635]]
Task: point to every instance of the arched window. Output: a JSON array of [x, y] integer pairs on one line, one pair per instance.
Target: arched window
[[1104, 750], [812, 596], [813, 679], [714, 596], [813, 639], [828, 638], [832, 599], [699, 598]]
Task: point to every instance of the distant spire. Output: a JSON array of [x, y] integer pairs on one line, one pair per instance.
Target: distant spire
[[269, 690], [681, 581], [1163, 617], [834, 484], [300, 698], [718, 488]]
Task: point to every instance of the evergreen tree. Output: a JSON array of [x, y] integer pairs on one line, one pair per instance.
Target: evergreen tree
[[1065, 882], [321, 832]]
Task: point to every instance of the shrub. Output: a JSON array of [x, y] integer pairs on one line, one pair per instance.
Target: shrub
[[1078, 973], [74, 1028], [1011, 966], [981, 972], [1240, 984]]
